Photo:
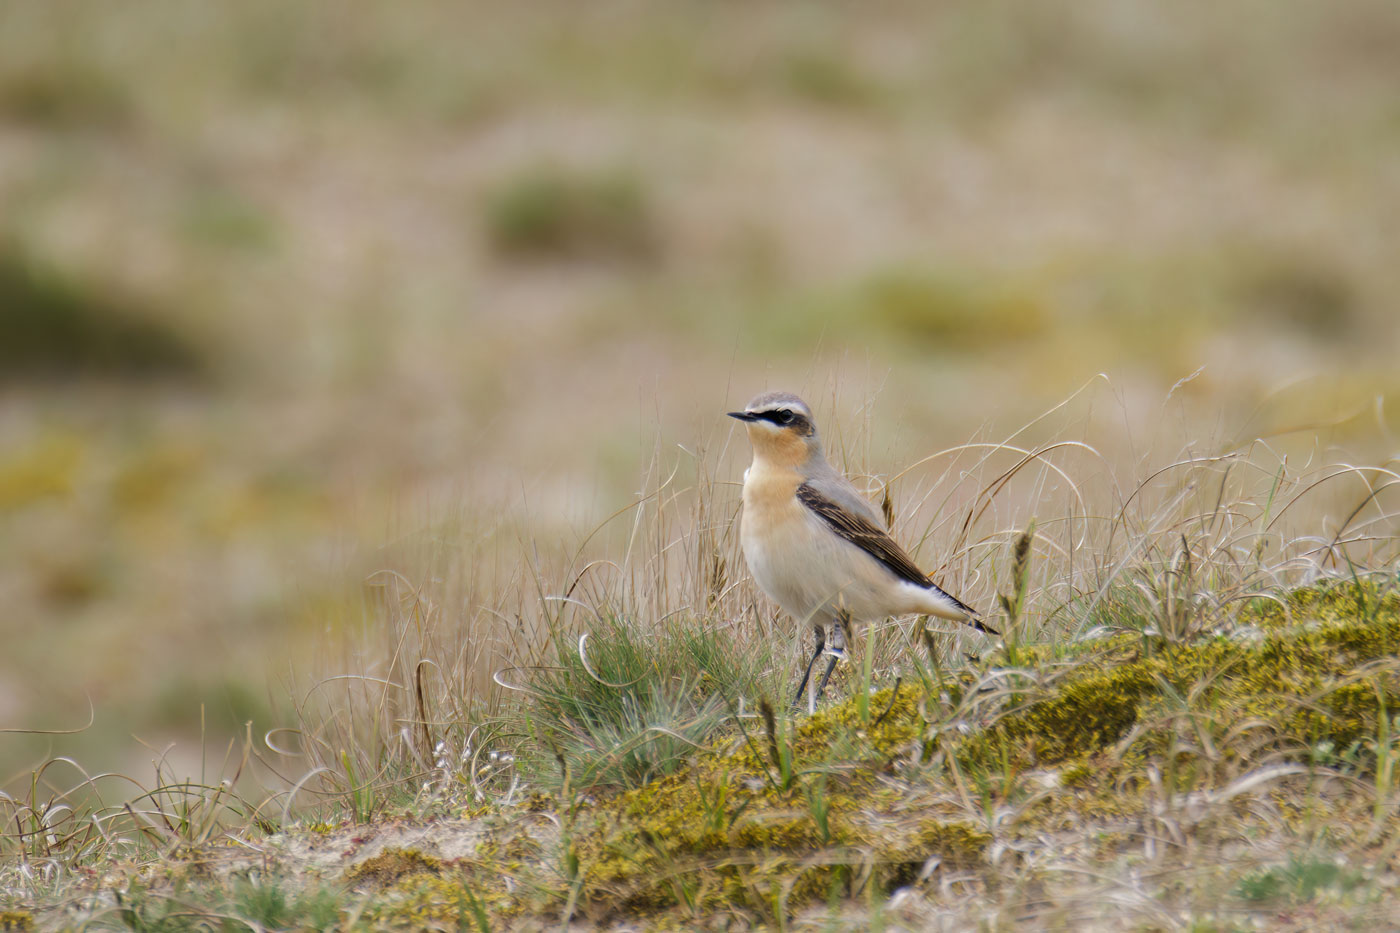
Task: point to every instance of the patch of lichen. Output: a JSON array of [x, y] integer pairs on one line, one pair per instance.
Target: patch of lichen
[[392, 865]]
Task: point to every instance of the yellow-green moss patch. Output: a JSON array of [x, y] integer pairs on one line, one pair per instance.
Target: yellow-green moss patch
[[391, 865], [19, 921]]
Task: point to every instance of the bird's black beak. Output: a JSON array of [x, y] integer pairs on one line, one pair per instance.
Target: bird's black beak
[[743, 415]]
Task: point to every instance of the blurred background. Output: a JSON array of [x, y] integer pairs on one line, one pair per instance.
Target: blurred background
[[286, 287]]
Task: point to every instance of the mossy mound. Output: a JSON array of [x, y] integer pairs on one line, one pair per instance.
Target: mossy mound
[[851, 797], [1318, 668]]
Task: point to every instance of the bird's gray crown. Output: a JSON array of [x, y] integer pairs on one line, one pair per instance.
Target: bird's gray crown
[[770, 401]]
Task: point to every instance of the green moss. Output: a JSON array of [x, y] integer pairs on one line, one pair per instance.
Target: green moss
[[711, 837], [420, 892], [507, 846], [960, 844], [1090, 712]]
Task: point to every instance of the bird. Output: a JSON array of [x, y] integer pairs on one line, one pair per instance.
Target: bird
[[814, 544]]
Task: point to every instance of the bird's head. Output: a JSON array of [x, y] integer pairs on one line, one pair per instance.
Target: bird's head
[[781, 428]]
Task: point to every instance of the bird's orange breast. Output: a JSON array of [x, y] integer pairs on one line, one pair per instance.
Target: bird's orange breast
[[770, 501]]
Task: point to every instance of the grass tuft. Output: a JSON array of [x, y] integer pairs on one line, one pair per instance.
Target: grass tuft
[[1299, 881], [57, 328], [826, 78], [65, 95], [623, 706], [943, 312], [548, 211]]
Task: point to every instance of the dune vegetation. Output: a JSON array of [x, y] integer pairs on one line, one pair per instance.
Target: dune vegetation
[[1192, 720]]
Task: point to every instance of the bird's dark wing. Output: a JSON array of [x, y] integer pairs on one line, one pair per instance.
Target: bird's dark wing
[[874, 541]]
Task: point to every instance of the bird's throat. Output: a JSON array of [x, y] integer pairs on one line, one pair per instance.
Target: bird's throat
[[777, 450]]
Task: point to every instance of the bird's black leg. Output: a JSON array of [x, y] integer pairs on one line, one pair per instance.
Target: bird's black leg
[[821, 646], [843, 638], [830, 666]]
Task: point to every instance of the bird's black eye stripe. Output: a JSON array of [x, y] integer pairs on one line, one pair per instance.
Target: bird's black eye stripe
[[782, 416]]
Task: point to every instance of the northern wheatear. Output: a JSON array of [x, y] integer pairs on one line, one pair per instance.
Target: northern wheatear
[[814, 544]]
